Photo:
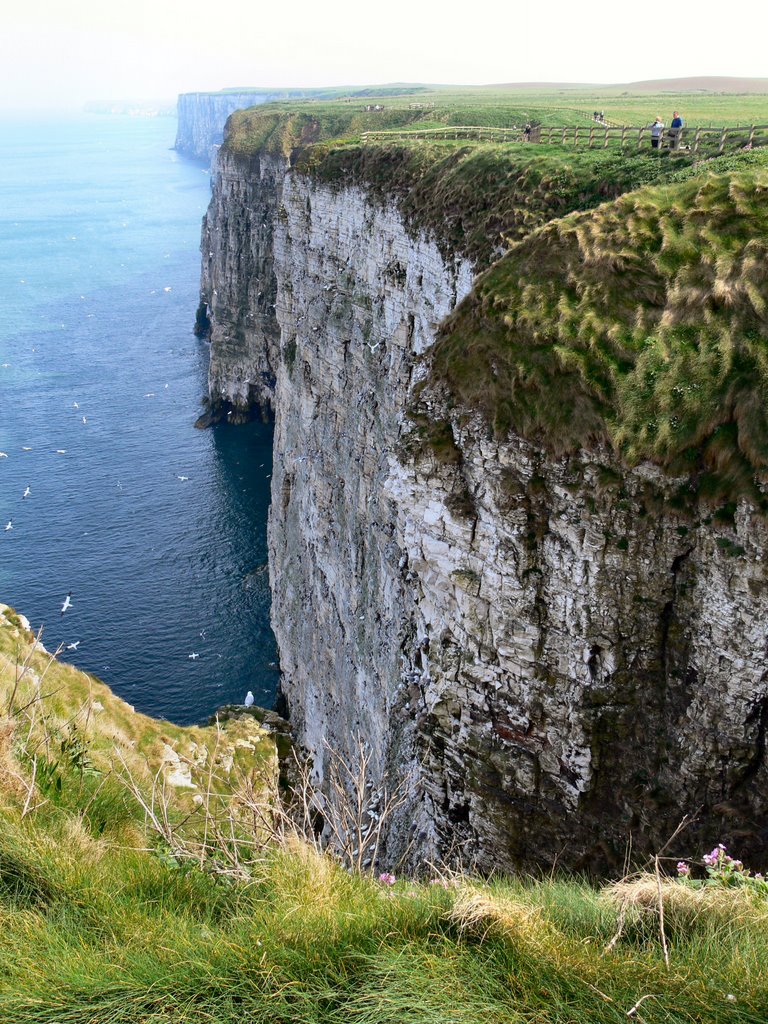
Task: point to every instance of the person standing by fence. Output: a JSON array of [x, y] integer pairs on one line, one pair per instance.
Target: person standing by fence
[[675, 130], [657, 132]]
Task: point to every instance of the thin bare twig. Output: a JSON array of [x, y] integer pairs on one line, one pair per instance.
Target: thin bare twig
[[639, 1003], [662, 933]]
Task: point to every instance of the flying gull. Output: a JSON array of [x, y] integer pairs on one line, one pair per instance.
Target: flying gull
[[67, 602]]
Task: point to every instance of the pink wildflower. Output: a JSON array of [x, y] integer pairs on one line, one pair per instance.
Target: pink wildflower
[[683, 868], [386, 878]]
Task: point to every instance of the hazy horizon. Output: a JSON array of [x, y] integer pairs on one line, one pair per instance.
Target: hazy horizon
[[54, 57]]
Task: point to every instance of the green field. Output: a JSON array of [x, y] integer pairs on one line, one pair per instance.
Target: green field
[[506, 108]]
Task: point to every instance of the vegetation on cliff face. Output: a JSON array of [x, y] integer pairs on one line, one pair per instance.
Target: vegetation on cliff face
[[643, 323], [477, 199]]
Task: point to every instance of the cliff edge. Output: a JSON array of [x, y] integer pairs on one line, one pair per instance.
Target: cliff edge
[[541, 611]]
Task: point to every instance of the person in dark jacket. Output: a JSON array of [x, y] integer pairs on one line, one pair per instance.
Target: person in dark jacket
[[675, 130]]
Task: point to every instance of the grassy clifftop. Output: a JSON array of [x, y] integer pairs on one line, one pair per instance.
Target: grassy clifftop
[[643, 323]]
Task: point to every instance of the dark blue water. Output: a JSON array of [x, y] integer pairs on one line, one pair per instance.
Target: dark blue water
[[99, 269]]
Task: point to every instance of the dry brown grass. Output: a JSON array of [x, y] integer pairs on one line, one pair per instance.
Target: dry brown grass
[[685, 904], [10, 771], [479, 910]]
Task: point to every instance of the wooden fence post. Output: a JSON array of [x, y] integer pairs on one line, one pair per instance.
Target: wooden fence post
[[721, 147], [623, 135], [696, 139]]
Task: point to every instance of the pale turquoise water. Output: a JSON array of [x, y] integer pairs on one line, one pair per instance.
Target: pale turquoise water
[[99, 270]]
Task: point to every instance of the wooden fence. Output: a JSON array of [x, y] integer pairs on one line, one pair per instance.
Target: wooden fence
[[594, 136]]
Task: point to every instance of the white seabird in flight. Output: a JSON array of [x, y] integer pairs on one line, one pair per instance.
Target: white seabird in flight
[[67, 603]]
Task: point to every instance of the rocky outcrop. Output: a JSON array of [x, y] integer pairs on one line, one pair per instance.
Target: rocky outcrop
[[554, 656]]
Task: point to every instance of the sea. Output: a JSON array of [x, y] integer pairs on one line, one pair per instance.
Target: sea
[[156, 529]]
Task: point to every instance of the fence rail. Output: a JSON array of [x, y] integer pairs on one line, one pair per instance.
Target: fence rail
[[594, 136]]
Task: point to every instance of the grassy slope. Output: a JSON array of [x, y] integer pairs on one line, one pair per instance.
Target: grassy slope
[[643, 322], [99, 925], [81, 735], [280, 127], [114, 936]]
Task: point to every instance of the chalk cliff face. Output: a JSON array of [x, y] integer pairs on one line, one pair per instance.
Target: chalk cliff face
[[202, 116], [549, 653], [239, 283]]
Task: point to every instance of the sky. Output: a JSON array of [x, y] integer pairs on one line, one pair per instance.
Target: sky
[[58, 54]]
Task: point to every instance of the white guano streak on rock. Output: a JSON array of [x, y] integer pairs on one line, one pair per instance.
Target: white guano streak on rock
[[358, 298]]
